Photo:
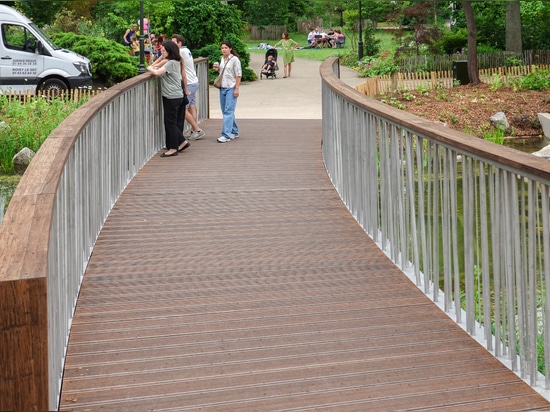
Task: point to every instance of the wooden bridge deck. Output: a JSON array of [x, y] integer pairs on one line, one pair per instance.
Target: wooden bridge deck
[[232, 278]]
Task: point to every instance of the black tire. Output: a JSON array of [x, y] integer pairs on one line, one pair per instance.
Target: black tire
[[54, 87]]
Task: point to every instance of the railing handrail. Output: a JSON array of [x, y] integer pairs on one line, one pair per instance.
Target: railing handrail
[[422, 191], [480, 148], [53, 221]]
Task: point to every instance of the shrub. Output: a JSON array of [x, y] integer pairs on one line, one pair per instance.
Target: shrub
[[513, 61], [378, 66], [484, 48], [204, 22], [214, 54], [111, 62], [372, 43], [262, 13], [452, 43], [537, 80], [28, 125]]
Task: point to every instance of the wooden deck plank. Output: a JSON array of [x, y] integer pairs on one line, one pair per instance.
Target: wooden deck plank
[[232, 278]]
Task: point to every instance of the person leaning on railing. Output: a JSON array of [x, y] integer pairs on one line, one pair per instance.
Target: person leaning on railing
[[172, 97]]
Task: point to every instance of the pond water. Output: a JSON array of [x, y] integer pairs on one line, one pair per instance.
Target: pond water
[[527, 145], [5, 196]]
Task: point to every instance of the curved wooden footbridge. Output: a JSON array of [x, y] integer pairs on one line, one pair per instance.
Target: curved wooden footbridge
[[232, 277]]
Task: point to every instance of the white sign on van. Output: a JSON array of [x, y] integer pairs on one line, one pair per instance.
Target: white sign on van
[[23, 68], [23, 71], [24, 62]]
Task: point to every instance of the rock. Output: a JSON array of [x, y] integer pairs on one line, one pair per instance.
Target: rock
[[22, 160], [4, 126], [500, 121], [544, 152]]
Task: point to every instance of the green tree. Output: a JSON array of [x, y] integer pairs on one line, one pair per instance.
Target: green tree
[[378, 10], [372, 43], [266, 13], [40, 12], [425, 34], [513, 27], [535, 16], [490, 20], [473, 68], [204, 22], [115, 17], [111, 62]]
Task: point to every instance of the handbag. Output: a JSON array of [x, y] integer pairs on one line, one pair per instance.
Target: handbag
[[218, 80]]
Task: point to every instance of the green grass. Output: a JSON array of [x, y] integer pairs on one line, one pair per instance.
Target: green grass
[[9, 180], [386, 40], [28, 125], [306, 53], [386, 43]]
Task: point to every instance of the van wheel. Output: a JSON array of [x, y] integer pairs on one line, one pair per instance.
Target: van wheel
[[53, 87]]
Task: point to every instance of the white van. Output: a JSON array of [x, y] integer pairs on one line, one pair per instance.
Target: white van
[[30, 61]]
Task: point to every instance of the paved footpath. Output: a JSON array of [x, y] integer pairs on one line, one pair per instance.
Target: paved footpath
[[296, 97]]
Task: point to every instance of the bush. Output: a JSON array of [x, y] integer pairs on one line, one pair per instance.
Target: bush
[[538, 80], [111, 62], [372, 43], [378, 66], [484, 48], [204, 22], [266, 13], [28, 125], [513, 61], [452, 43], [214, 54]]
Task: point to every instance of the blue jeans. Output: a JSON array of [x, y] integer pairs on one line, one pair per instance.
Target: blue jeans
[[228, 102]]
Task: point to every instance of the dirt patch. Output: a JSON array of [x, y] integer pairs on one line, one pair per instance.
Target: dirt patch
[[469, 108]]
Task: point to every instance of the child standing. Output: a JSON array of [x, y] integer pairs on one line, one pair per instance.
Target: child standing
[[135, 46]]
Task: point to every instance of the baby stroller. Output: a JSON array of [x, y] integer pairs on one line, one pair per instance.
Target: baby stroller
[[270, 65]]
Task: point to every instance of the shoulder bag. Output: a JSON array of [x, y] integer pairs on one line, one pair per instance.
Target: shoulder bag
[[218, 80]]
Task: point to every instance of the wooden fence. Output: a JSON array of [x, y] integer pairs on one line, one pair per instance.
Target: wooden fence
[[485, 60], [27, 96], [383, 84], [266, 32]]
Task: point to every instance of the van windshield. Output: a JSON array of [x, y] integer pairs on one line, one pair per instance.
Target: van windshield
[[43, 37]]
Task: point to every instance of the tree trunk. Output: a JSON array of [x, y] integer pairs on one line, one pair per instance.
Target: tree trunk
[[473, 69], [513, 27]]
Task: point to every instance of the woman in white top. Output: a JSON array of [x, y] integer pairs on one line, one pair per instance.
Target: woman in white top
[[230, 66], [192, 87]]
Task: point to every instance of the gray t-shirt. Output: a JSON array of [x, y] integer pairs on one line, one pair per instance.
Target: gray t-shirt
[[171, 80]]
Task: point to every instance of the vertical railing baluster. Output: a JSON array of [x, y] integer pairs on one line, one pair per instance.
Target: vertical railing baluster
[[495, 241]]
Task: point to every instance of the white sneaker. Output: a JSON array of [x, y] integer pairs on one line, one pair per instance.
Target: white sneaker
[[234, 136], [196, 135], [223, 139]]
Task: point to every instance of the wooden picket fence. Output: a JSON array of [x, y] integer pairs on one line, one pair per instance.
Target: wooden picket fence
[[75, 95], [430, 62], [266, 32], [373, 86]]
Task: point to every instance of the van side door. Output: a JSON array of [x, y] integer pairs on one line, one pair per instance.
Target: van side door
[[20, 63]]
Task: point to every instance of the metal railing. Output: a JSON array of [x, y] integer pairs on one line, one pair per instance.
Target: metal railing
[[468, 220], [53, 221]]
